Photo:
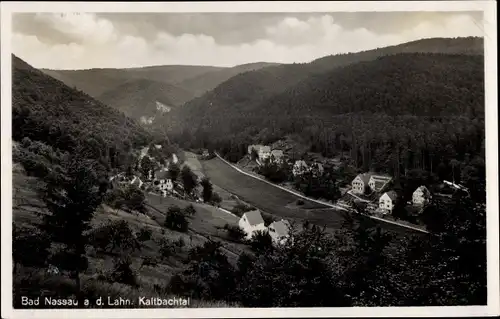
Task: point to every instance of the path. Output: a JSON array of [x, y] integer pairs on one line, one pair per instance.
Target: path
[[318, 201]]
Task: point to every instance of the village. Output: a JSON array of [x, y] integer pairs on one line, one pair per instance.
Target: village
[[159, 181], [371, 192]]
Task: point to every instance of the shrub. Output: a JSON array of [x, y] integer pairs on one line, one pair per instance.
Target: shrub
[[123, 272], [144, 234], [234, 232], [176, 220]]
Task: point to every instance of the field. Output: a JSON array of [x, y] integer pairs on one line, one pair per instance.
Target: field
[[275, 201]]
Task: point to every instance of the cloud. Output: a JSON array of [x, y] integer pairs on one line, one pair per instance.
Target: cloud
[[88, 40]]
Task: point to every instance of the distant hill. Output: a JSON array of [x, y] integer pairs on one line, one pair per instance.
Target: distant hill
[[208, 81], [98, 81], [47, 110], [137, 91], [249, 90], [144, 98]]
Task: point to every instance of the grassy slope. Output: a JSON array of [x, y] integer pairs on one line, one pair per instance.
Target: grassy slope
[[205, 224]]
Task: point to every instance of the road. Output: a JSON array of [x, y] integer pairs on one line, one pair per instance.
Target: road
[[276, 199]]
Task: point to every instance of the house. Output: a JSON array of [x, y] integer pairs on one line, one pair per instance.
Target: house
[[378, 182], [299, 168], [205, 154], [277, 156], [157, 146], [136, 181], [279, 231], [387, 201], [264, 153], [255, 147], [175, 160], [360, 182], [164, 181], [251, 222], [421, 196]]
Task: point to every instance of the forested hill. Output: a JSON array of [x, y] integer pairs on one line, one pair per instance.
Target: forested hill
[[392, 114], [403, 84], [251, 89], [137, 98], [46, 110]]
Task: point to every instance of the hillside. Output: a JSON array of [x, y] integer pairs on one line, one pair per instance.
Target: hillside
[[393, 114], [250, 89], [210, 80], [144, 98], [97, 81], [46, 110]]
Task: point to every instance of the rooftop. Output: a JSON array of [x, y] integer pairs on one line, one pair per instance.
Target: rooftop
[[281, 227], [254, 217]]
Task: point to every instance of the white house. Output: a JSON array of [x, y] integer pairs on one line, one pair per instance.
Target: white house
[[387, 201], [360, 182], [251, 222], [277, 156], [421, 196], [378, 182], [279, 231], [164, 181], [299, 168], [264, 153], [175, 160]]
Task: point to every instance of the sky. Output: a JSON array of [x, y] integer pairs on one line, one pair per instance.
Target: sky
[[122, 40]]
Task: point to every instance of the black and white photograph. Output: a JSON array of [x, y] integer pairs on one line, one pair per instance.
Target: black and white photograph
[[249, 159]]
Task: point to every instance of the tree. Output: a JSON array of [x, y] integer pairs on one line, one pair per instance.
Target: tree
[[261, 241], [189, 179], [254, 155], [72, 200], [207, 189], [123, 272], [29, 247], [208, 275], [134, 199], [176, 220], [216, 199], [296, 274], [147, 165], [144, 234], [113, 236], [174, 171]]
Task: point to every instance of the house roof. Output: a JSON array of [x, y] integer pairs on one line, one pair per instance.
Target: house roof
[[265, 149], [136, 181], [379, 184], [379, 177], [254, 217], [392, 195], [365, 177], [281, 227]]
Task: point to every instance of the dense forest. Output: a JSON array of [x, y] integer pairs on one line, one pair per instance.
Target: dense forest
[[46, 110], [394, 114]]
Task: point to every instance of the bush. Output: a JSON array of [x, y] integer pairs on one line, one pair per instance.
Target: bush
[[114, 235], [123, 272], [167, 248], [234, 232], [190, 210], [300, 202], [144, 234], [216, 199], [176, 220], [261, 241]]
